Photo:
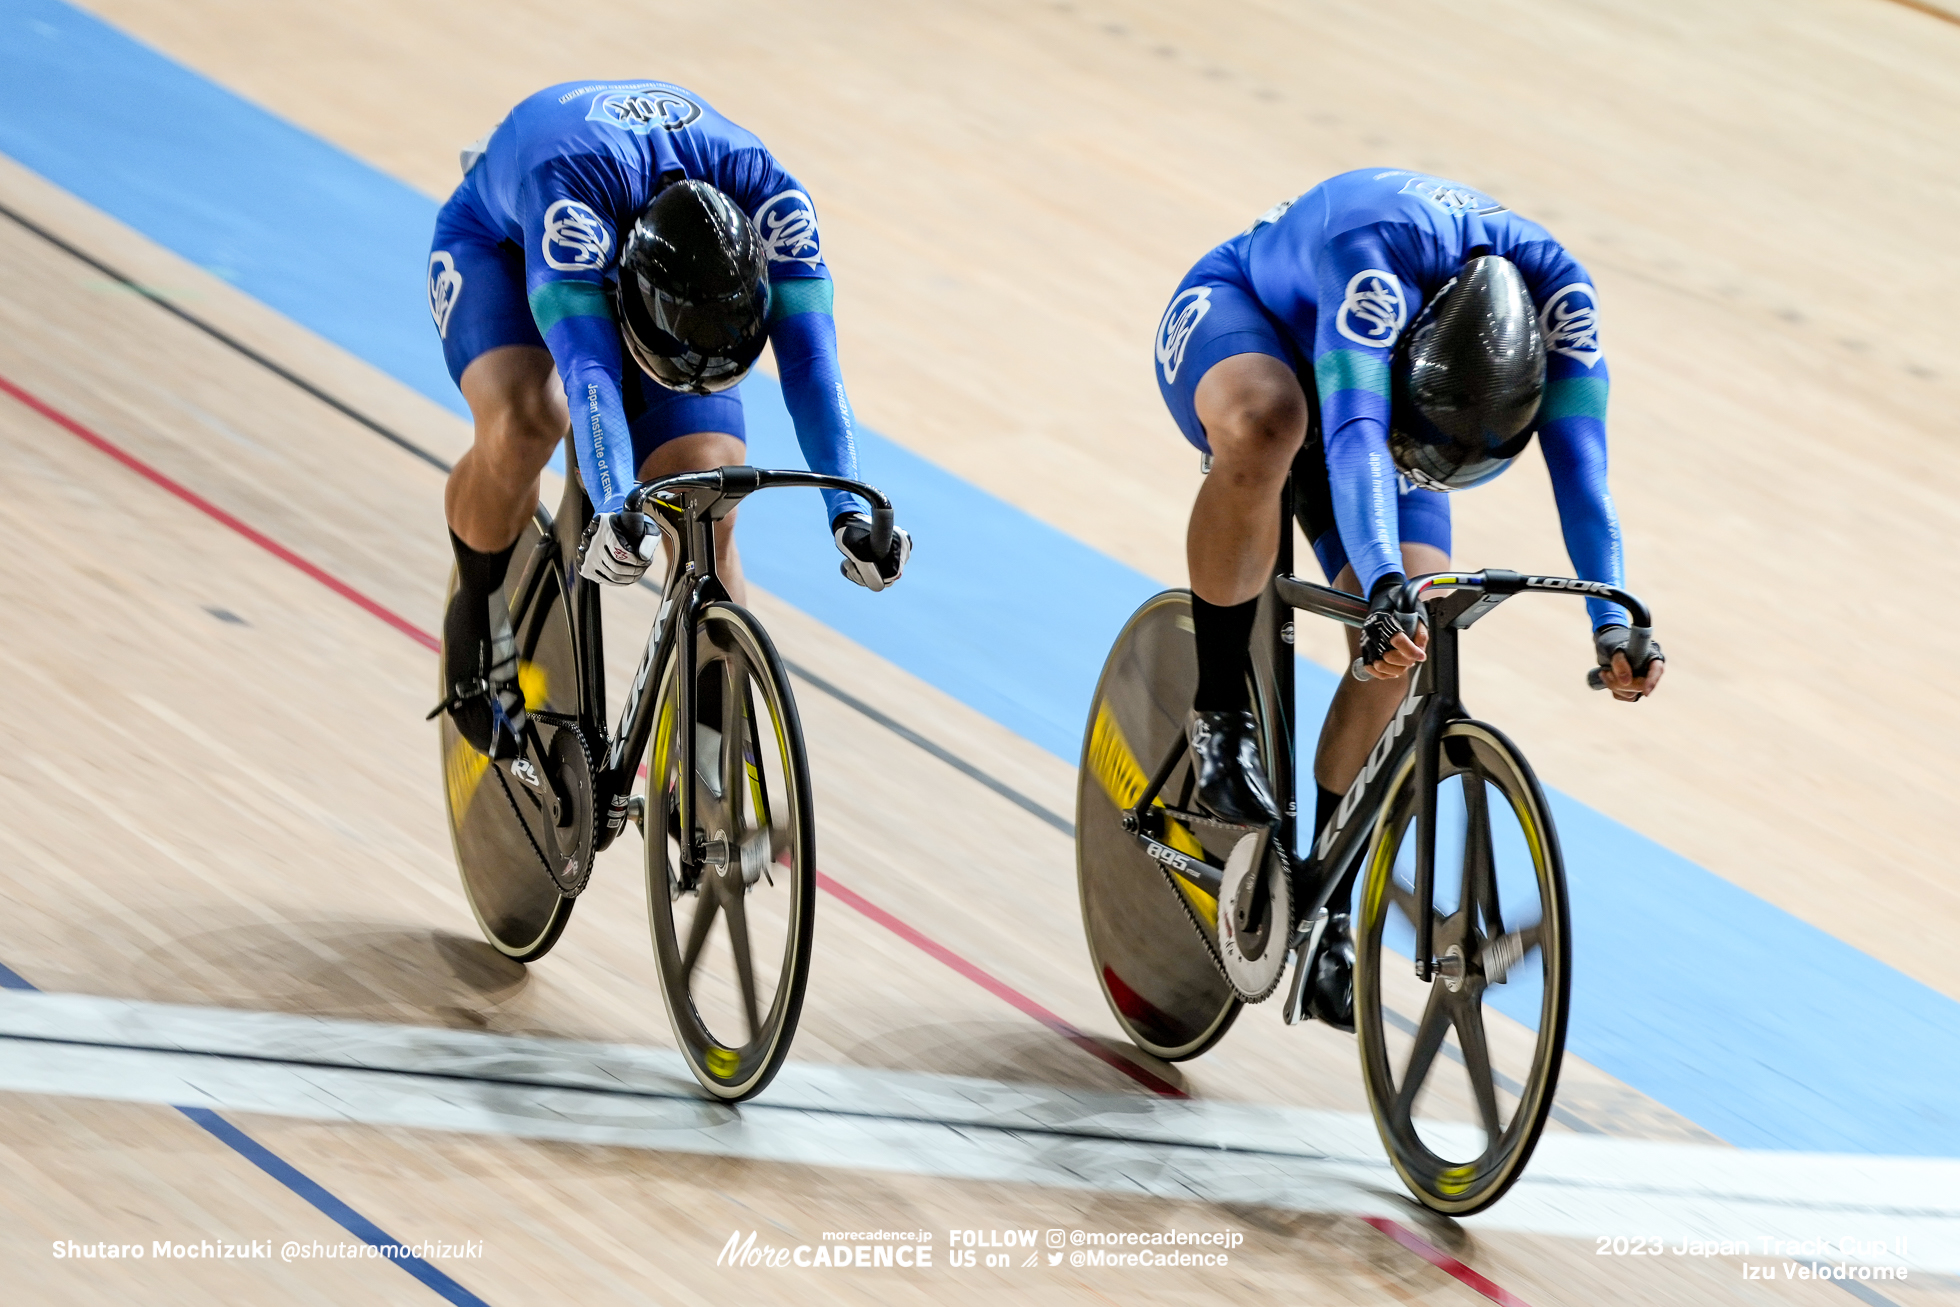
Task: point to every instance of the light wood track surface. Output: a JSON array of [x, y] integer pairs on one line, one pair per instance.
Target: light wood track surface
[[245, 813], [222, 793], [1011, 190]]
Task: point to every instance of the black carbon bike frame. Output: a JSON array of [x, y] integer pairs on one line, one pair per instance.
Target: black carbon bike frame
[[1449, 603], [685, 508]]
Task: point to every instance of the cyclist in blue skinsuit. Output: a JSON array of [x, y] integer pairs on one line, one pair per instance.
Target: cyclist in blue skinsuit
[[603, 220], [1403, 336]]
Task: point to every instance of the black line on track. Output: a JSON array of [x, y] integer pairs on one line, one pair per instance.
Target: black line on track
[[227, 339], [393, 437], [951, 759]]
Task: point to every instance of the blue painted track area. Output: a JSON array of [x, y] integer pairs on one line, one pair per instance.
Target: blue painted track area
[[1758, 1027]]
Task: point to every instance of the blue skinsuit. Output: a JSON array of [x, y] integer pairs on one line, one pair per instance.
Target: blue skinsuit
[[1371, 247], [528, 244]]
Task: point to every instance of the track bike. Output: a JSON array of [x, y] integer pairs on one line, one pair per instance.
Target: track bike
[[1445, 831], [726, 816]]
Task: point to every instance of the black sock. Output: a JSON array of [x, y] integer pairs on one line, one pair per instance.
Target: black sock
[[480, 574], [1325, 801], [1224, 654]]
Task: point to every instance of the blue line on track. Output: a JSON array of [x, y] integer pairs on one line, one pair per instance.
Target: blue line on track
[[302, 1184], [1758, 1026]]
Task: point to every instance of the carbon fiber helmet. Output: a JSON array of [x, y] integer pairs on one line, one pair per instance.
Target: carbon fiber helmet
[[1468, 377], [693, 295]]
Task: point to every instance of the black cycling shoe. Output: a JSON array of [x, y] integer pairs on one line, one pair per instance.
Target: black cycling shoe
[[480, 670], [1330, 989], [1231, 779]]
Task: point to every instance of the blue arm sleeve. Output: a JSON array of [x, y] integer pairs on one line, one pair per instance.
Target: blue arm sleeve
[[1572, 432], [589, 362], [804, 337], [568, 245], [1365, 300], [1572, 420]]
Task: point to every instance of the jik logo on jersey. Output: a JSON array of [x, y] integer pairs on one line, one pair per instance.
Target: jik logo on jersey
[[640, 109], [445, 288], [1374, 309], [1187, 310], [1570, 321], [787, 224], [575, 239], [1451, 198]]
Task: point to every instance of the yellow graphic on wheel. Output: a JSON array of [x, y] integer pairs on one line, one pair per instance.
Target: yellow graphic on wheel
[[534, 679], [722, 1062], [462, 772], [463, 768], [1114, 765]]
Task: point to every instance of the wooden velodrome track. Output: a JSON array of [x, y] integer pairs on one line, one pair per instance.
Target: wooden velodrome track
[[222, 792]]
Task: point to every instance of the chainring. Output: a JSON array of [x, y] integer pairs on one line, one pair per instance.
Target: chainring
[[1255, 918], [570, 844]]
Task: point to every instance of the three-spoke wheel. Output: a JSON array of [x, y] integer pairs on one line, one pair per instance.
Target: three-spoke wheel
[[733, 899], [1497, 1003]]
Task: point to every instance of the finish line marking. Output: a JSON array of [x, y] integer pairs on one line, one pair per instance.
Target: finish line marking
[[945, 1126]]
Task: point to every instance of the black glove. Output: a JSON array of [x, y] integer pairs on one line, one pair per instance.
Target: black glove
[[1386, 620], [1610, 640], [852, 531]]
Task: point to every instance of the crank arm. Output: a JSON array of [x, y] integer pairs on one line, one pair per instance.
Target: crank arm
[[1207, 877]]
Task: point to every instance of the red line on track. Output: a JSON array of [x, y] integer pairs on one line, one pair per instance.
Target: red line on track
[[1436, 1257], [850, 897], [205, 506], [1000, 989]]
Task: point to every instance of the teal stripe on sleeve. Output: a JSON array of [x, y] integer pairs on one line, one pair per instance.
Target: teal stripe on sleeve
[[1575, 397], [1348, 369], [555, 301], [799, 295]]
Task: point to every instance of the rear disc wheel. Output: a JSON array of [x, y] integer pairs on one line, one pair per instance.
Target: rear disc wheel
[[1151, 931], [514, 896]]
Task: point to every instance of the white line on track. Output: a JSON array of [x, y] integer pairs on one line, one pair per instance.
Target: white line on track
[[947, 1126]]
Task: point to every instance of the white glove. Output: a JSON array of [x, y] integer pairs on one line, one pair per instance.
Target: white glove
[[852, 532], [612, 552]]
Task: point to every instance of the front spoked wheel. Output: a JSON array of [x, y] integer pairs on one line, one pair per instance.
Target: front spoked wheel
[[732, 901], [1461, 1071]]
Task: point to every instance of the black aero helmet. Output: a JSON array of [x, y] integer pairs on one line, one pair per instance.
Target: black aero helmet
[[1468, 377], [693, 290]]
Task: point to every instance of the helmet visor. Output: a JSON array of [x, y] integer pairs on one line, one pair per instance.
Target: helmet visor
[[697, 347]]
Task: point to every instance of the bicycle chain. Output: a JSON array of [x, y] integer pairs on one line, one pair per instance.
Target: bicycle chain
[[1197, 924], [517, 813], [544, 863]]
